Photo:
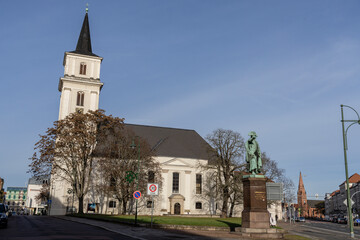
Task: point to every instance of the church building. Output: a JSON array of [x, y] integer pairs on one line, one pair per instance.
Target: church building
[[306, 208], [180, 152]]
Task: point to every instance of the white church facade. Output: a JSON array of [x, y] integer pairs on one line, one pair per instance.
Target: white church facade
[[180, 152]]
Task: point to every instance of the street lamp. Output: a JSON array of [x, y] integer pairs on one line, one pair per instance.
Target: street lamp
[[346, 166], [133, 146]]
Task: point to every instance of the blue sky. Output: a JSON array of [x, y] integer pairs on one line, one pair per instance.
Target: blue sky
[[280, 68]]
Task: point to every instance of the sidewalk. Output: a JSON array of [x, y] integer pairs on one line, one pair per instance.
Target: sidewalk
[[143, 233]]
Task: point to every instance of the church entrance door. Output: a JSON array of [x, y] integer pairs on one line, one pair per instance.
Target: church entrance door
[[177, 208]]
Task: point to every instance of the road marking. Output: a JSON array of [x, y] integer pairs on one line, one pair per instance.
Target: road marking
[[326, 229]]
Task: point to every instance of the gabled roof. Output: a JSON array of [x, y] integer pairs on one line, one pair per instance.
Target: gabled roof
[[355, 178], [84, 42], [173, 142]]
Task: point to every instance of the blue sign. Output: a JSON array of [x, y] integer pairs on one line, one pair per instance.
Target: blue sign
[[137, 194]]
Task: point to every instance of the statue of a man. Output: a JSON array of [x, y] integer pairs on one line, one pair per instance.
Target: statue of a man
[[253, 154]]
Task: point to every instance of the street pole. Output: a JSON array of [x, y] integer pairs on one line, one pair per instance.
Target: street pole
[[152, 210], [346, 165], [137, 179]]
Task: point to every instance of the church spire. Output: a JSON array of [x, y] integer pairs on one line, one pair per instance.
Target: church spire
[[301, 183], [84, 42]]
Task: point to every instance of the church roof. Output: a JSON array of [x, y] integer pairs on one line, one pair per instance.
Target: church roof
[[84, 42], [173, 142], [312, 203]]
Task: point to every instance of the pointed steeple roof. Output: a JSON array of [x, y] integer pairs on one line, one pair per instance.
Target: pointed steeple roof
[[84, 42], [301, 184]]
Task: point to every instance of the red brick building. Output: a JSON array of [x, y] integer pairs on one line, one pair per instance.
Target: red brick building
[[306, 208]]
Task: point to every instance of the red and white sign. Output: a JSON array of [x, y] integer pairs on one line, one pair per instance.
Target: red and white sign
[[137, 194], [152, 189]]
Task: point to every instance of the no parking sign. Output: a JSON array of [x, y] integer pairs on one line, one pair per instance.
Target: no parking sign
[[137, 194], [153, 189]]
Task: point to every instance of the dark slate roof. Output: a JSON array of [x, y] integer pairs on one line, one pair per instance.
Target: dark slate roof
[[312, 203], [84, 42], [173, 142], [38, 180]]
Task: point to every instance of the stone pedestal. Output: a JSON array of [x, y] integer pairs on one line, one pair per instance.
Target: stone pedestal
[[255, 213], [255, 216]]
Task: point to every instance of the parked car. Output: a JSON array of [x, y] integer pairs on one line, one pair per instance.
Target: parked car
[[342, 220], [334, 219], [3, 216], [301, 219]]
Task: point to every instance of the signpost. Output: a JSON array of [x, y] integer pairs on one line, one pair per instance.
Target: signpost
[[345, 202], [152, 189]]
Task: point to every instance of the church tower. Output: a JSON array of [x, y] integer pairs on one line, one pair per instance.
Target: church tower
[[80, 87], [301, 196]]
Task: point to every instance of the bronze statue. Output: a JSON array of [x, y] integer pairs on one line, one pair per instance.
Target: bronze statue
[[253, 154]]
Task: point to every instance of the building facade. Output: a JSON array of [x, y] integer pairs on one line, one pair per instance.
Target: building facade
[[16, 198], [180, 152], [34, 187], [334, 202]]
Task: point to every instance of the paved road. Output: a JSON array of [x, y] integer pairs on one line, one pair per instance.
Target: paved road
[[321, 230], [45, 227]]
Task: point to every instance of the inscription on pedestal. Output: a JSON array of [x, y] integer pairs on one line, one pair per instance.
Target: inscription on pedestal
[[260, 196]]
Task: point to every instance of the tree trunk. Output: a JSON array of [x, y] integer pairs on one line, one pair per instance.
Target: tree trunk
[[81, 204], [225, 199], [124, 203], [232, 206]]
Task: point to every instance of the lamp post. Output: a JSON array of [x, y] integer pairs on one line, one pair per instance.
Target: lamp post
[[346, 166], [133, 146]]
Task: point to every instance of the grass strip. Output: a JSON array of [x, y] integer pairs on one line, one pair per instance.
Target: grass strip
[[168, 220]]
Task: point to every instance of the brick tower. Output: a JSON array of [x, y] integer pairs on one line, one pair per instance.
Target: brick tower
[[301, 197]]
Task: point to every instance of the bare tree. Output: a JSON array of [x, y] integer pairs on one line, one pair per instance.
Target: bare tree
[[66, 150], [236, 196], [122, 170], [44, 194], [227, 155], [272, 171]]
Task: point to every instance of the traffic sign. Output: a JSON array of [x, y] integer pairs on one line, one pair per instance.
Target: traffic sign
[[153, 189], [352, 202], [137, 194]]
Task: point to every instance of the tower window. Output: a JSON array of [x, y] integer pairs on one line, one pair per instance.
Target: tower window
[[83, 68], [80, 99]]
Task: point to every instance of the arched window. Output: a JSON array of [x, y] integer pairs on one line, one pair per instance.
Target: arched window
[[83, 68], [80, 99], [198, 205]]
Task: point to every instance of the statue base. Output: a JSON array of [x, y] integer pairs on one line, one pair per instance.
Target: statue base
[[255, 213], [260, 233]]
